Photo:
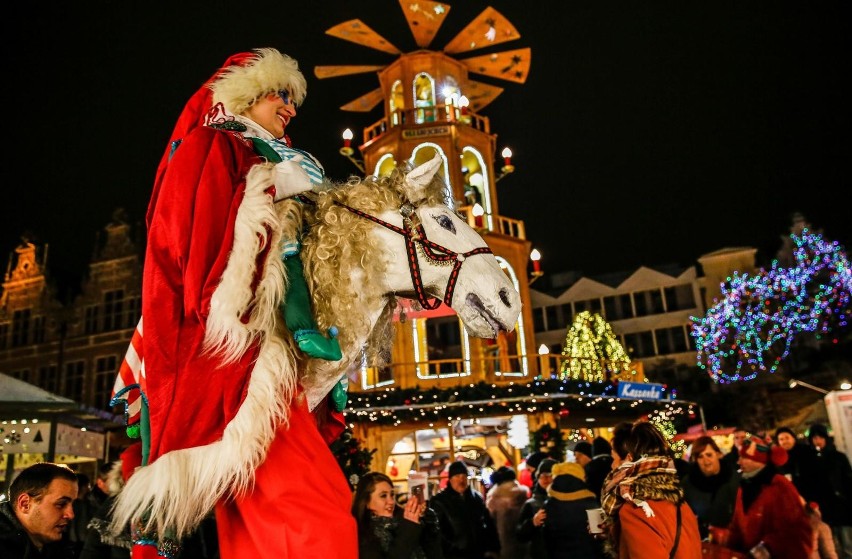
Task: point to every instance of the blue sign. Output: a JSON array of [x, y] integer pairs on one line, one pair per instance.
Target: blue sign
[[640, 390]]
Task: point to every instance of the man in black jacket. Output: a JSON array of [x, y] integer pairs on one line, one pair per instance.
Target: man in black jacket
[[467, 529], [34, 520]]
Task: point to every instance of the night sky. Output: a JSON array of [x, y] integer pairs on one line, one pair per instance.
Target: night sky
[[644, 135]]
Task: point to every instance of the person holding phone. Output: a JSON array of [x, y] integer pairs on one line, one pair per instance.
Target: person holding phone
[[387, 530]]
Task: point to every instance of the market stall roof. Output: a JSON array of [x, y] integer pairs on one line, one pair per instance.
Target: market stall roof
[[20, 399]]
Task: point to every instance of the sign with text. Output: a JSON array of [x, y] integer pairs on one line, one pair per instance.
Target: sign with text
[[641, 390]]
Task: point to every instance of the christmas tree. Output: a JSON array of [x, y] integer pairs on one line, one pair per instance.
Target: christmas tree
[[592, 351], [549, 439], [352, 458]]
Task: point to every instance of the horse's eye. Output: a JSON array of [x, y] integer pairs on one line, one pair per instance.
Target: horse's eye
[[445, 222]]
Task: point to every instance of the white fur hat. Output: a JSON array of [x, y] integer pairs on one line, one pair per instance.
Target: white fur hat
[[262, 71]]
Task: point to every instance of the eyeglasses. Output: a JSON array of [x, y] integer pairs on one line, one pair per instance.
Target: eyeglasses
[[286, 96]]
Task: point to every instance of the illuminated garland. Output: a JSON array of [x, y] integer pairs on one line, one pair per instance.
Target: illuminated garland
[[435, 406], [752, 328], [593, 352]]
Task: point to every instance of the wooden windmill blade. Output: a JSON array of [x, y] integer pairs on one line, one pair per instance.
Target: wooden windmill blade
[[480, 94], [364, 103], [356, 31], [488, 29], [512, 65], [424, 19], [323, 72]]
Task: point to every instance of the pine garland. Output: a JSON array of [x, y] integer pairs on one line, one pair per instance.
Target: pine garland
[[351, 457], [551, 441]]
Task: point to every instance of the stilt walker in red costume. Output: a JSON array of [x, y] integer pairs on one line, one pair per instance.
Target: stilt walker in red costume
[[224, 422]]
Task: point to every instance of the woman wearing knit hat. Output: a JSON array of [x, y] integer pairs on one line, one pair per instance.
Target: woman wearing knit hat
[[225, 411], [566, 526], [769, 518], [643, 500]]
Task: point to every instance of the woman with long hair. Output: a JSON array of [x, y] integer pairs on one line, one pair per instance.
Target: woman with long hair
[[643, 500], [388, 531]]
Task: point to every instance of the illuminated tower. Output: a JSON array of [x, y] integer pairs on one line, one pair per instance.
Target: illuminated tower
[[431, 105]]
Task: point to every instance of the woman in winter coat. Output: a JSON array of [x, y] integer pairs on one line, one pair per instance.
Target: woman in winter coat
[[387, 531], [504, 502], [643, 499], [710, 485]]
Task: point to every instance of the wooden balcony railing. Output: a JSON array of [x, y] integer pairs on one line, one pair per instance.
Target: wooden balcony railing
[[494, 223], [425, 117], [490, 369]]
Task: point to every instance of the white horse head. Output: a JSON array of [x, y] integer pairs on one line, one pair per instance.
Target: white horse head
[[377, 238]]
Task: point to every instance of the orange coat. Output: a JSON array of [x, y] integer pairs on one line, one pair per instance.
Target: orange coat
[[641, 537]]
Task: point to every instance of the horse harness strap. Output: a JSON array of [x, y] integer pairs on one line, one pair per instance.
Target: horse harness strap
[[432, 250]]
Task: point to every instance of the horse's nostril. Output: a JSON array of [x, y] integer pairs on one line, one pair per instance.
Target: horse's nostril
[[504, 296]]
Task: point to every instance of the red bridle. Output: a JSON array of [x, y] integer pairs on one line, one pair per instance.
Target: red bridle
[[431, 250]]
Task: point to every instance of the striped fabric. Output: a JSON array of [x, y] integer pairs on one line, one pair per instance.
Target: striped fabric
[[310, 165], [130, 382]]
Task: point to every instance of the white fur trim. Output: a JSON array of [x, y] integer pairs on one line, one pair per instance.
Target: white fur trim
[[239, 86], [177, 491]]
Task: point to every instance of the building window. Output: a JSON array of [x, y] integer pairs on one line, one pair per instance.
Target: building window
[[640, 344], [443, 339], [396, 104], [679, 298], [424, 98], [134, 311], [49, 378], [105, 371], [4, 336], [21, 327], [618, 307], [38, 330], [538, 319], [113, 310], [671, 340], [91, 323], [648, 302], [550, 317], [75, 373], [22, 374]]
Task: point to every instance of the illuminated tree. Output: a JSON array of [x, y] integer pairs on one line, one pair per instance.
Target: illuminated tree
[[751, 329], [592, 351]]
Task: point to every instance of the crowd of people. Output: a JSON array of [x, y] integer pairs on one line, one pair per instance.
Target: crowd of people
[[768, 497]]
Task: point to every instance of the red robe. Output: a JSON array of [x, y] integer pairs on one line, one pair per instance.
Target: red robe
[[211, 281]]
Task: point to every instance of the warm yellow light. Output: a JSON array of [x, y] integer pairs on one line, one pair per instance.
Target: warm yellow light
[[845, 385], [464, 101], [506, 153], [535, 255], [347, 134], [477, 210], [543, 349]]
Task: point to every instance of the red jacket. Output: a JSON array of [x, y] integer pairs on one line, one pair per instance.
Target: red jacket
[[776, 518], [643, 537]]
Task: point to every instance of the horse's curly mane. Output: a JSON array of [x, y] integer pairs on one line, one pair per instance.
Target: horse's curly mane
[[340, 258]]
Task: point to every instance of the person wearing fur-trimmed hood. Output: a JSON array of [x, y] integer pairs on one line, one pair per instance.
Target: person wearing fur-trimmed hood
[[230, 425]]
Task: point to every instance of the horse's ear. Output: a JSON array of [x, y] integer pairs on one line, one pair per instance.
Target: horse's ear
[[419, 178]]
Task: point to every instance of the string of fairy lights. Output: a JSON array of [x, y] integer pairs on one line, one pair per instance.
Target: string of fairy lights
[[434, 406], [751, 329]]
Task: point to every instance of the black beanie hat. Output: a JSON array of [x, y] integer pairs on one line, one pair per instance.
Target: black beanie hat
[[584, 448], [457, 467], [545, 467], [817, 429], [784, 430]]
